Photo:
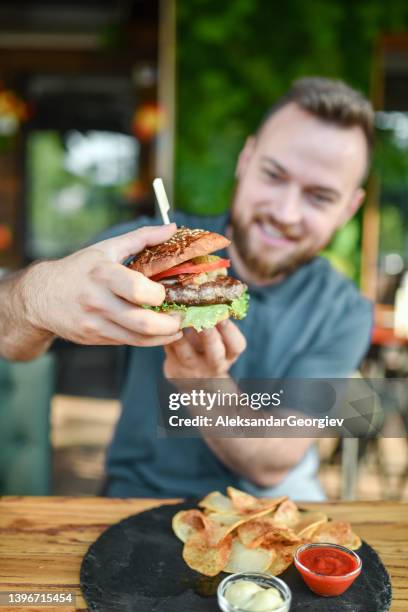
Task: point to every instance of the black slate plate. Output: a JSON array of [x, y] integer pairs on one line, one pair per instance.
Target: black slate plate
[[136, 566]]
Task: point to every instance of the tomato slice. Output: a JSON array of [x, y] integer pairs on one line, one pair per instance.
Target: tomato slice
[[191, 268]]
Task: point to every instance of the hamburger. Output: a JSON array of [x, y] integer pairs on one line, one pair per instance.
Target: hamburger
[[196, 281]]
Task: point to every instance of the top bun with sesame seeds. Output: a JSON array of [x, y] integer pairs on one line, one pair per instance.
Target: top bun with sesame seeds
[[184, 245]]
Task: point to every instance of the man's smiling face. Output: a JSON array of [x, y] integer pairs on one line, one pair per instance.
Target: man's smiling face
[[297, 182]]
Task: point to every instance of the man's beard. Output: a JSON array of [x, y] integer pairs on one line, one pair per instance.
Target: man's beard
[[264, 268]]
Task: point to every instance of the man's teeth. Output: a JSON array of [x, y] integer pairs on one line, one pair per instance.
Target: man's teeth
[[270, 230]]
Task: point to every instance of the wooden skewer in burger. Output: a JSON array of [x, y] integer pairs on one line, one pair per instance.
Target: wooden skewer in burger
[[196, 282]]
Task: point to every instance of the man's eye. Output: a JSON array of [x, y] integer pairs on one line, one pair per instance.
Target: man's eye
[[270, 174], [320, 198]]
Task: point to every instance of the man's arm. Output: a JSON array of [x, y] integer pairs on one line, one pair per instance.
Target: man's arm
[[263, 461], [88, 297], [209, 355], [19, 339]]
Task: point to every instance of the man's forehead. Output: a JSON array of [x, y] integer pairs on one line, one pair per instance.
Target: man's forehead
[[315, 148]]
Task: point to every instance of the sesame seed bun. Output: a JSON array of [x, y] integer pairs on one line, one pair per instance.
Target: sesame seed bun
[[184, 245]]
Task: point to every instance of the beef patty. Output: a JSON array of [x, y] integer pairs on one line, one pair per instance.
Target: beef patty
[[222, 290]]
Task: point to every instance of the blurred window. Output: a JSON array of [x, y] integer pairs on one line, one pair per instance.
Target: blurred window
[[76, 185]]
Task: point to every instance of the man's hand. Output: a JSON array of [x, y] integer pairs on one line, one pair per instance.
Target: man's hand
[[208, 354], [91, 298]]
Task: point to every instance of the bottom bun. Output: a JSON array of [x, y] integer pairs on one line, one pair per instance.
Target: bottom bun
[[205, 317]]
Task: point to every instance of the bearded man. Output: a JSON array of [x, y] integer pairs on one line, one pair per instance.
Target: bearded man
[[298, 180]]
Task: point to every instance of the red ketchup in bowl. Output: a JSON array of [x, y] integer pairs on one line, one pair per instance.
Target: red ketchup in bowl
[[327, 569]]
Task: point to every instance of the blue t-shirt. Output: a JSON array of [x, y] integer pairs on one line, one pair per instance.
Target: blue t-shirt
[[313, 324]]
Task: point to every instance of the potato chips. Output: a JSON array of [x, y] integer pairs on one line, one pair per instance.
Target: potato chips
[[242, 557], [208, 560], [242, 533]]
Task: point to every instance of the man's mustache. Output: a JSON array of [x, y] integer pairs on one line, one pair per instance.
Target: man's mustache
[[291, 232]]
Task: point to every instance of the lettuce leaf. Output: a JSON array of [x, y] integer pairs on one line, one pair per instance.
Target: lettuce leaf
[[239, 307], [205, 317]]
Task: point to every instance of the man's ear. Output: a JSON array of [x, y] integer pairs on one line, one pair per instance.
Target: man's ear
[[245, 156], [355, 202]]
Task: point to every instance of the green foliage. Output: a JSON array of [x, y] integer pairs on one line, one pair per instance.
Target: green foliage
[[393, 230], [343, 253], [391, 166], [390, 161], [236, 57]]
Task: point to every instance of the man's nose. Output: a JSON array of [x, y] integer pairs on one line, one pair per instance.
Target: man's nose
[[287, 209]]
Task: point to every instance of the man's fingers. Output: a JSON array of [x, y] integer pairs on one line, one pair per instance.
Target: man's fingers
[[130, 285], [138, 340], [143, 321], [234, 340], [184, 352], [133, 318], [168, 349], [109, 333], [213, 347], [120, 247], [194, 339]]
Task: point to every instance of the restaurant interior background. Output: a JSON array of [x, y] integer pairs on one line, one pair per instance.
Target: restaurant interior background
[[99, 96]]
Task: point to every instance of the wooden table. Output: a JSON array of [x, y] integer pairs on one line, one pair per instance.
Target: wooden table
[[43, 539]]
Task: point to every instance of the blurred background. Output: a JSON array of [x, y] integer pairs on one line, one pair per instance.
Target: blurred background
[[99, 97]]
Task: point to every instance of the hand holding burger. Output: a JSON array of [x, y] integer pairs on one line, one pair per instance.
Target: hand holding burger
[[90, 297], [209, 354]]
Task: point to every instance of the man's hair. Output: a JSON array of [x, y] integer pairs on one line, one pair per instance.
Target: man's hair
[[332, 101]]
